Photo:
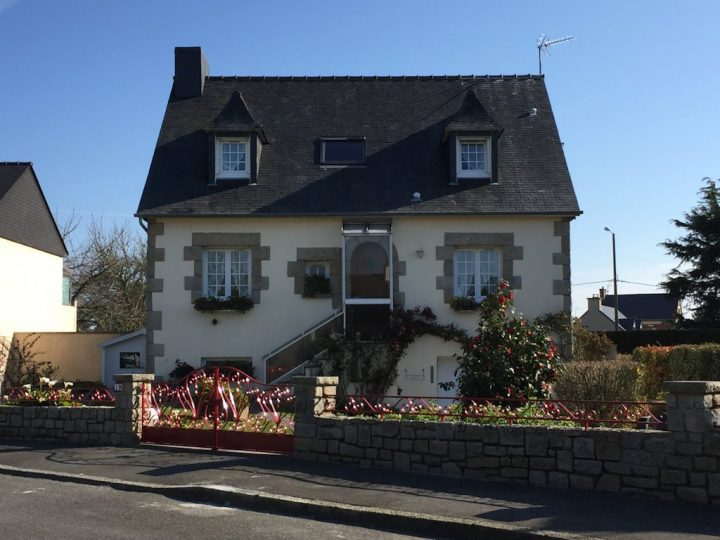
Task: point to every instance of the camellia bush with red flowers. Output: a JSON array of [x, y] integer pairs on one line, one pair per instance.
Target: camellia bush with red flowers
[[509, 356]]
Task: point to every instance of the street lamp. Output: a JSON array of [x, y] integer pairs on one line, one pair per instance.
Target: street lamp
[[614, 278]]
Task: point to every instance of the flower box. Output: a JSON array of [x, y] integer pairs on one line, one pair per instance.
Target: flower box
[[239, 304], [464, 303]]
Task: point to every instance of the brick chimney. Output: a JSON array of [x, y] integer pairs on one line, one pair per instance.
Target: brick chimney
[[602, 294], [191, 69]]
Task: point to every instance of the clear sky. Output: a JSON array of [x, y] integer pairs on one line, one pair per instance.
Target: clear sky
[[83, 87]]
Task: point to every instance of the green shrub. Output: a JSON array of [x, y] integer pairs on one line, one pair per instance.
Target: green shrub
[[611, 380], [589, 345], [680, 363], [627, 341], [509, 356]]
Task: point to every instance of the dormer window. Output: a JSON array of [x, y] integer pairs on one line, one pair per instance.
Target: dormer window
[[473, 157], [232, 157], [342, 151]]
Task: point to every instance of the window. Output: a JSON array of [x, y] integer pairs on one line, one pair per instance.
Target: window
[[130, 360], [66, 296], [473, 157], [317, 269], [342, 151], [232, 158], [226, 272], [476, 272]]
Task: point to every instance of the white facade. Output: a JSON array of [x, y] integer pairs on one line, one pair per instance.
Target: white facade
[[31, 286], [186, 334]]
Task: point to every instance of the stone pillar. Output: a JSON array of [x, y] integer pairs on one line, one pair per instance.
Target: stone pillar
[[129, 404], [693, 407], [314, 396]]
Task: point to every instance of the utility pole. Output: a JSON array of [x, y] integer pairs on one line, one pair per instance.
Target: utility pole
[[614, 278]]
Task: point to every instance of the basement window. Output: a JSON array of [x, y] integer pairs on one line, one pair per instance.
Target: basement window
[[342, 151]]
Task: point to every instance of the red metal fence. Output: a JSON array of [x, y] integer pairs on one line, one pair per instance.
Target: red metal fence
[[585, 414], [219, 407]]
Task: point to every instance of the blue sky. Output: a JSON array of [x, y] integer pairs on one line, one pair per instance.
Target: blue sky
[[84, 86]]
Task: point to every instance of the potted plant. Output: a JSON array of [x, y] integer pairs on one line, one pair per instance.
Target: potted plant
[[316, 285]]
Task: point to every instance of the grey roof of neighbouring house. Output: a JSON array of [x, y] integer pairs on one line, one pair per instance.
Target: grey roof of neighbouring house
[[404, 121], [25, 217], [652, 306]]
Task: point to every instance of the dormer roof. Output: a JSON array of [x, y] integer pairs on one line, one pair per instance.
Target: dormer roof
[[472, 116], [235, 116]]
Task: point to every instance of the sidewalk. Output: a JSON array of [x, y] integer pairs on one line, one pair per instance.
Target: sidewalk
[[412, 503]]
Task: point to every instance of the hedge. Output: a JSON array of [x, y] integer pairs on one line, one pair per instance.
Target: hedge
[[605, 380], [680, 363], [627, 341]]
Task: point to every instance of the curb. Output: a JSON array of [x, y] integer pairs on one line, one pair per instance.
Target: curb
[[348, 514]]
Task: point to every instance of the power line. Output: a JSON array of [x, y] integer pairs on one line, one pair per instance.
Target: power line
[[637, 283], [592, 282], [619, 280]]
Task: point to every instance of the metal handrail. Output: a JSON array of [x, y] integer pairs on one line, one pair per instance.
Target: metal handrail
[[301, 335]]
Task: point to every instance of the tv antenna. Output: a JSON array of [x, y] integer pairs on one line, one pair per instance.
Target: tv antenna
[[543, 44]]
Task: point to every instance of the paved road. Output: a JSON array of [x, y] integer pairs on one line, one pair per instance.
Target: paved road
[[579, 513], [38, 509]]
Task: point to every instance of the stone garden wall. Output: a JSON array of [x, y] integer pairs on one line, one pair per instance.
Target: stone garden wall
[[119, 425], [681, 463]]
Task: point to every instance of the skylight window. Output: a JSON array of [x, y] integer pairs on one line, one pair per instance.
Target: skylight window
[[343, 151]]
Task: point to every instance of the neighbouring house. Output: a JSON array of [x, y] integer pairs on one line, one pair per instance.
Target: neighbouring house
[[34, 288], [654, 311], [320, 201], [123, 354]]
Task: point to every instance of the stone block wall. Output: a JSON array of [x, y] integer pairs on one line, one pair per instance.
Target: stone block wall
[[681, 463], [78, 425], [118, 426]]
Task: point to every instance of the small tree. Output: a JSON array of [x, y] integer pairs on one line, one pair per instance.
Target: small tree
[[22, 367], [509, 356], [699, 250], [108, 279]]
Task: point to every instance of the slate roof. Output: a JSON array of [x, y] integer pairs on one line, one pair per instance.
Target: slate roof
[[404, 121], [25, 217], [654, 306]]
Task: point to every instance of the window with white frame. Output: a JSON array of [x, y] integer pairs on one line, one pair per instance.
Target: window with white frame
[[473, 157], [317, 269], [226, 272], [477, 272], [232, 157]]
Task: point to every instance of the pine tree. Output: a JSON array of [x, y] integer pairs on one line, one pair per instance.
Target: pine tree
[[697, 277]]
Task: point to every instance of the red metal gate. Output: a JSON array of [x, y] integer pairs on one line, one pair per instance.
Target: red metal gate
[[219, 407]]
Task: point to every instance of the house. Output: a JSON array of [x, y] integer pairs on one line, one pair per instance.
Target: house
[[122, 354], [393, 190], [653, 311], [34, 288]]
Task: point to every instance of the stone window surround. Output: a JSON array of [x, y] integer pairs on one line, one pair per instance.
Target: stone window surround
[[329, 255], [454, 241], [249, 241]]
